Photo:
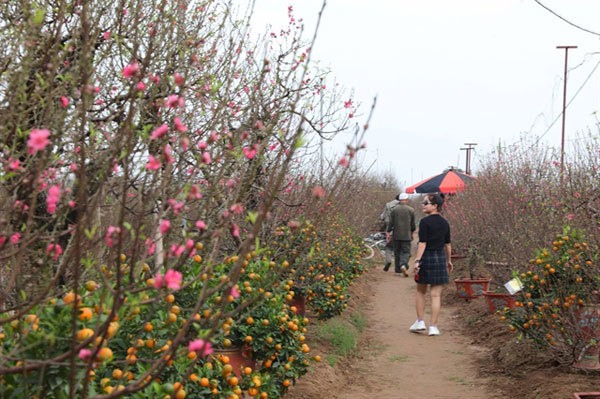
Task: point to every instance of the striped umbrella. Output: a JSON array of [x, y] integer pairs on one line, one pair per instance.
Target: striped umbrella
[[450, 181]]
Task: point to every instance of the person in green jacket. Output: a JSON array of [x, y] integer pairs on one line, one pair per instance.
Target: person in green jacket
[[400, 230], [389, 246]]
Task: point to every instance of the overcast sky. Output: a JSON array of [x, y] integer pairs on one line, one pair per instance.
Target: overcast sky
[[450, 72]]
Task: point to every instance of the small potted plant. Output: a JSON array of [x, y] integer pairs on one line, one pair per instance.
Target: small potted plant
[[471, 287]]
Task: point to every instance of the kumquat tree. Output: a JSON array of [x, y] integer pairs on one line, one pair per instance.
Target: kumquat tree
[[149, 155], [526, 202], [558, 285]]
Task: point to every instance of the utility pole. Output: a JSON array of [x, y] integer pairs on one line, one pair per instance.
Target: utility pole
[[562, 139], [468, 150]]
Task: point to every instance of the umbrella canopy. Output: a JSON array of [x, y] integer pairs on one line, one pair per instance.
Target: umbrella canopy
[[448, 182]]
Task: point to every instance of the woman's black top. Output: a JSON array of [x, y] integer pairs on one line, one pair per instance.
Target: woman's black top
[[435, 231]]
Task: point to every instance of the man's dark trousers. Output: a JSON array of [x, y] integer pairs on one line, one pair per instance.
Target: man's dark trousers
[[401, 254]]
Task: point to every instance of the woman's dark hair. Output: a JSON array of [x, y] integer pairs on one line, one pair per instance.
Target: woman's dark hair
[[436, 199]]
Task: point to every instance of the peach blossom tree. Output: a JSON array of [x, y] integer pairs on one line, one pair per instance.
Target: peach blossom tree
[[144, 144]]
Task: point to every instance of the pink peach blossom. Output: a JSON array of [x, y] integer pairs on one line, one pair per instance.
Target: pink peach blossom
[[173, 279], [165, 225], [318, 192], [234, 292], [174, 101], [201, 347], [201, 225], [112, 235], [14, 165], [178, 79], [237, 208], [179, 126], [159, 132], [176, 250], [53, 198], [131, 70], [153, 163], [159, 281], [84, 354], [167, 152], [15, 238], [55, 250], [249, 153], [38, 140]]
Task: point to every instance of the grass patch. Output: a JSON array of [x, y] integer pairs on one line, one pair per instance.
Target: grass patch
[[358, 320], [331, 359], [342, 337], [399, 358], [460, 380]]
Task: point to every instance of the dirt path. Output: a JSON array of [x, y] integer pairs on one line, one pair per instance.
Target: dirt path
[[410, 365]]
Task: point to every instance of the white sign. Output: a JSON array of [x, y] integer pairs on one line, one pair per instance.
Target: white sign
[[514, 285]]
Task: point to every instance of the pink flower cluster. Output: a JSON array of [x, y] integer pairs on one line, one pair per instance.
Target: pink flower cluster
[[201, 347], [53, 198], [112, 235], [38, 140], [172, 280], [153, 163], [55, 250], [131, 70]]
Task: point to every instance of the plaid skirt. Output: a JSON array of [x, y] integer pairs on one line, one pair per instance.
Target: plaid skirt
[[432, 268]]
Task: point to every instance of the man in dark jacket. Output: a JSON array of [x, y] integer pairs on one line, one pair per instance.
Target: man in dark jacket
[[389, 246], [400, 230]]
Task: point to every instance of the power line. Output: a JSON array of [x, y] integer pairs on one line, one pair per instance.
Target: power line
[[567, 21], [558, 80], [567, 105]]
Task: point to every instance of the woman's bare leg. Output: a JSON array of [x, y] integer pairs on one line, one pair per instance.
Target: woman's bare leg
[[436, 303], [420, 300]]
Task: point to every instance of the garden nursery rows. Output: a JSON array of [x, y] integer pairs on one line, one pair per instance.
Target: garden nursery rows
[[166, 217]]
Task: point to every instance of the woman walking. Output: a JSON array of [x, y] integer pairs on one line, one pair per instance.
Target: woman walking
[[433, 263]]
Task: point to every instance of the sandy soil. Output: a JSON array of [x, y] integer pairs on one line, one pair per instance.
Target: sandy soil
[[475, 357], [414, 365], [391, 362]]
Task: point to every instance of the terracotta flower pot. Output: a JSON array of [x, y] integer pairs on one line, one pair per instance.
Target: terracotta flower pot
[[239, 357], [587, 395], [499, 301], [588, 321], [467, 288]]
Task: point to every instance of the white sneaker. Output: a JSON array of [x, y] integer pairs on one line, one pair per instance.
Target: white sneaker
[[404, 270], [418, 325], [433, 330]]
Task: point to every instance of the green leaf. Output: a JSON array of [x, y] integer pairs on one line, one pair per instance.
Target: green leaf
[[252, 216], [37, 17], [300, 142], [23, 295], [90, 233], [40, 78]]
